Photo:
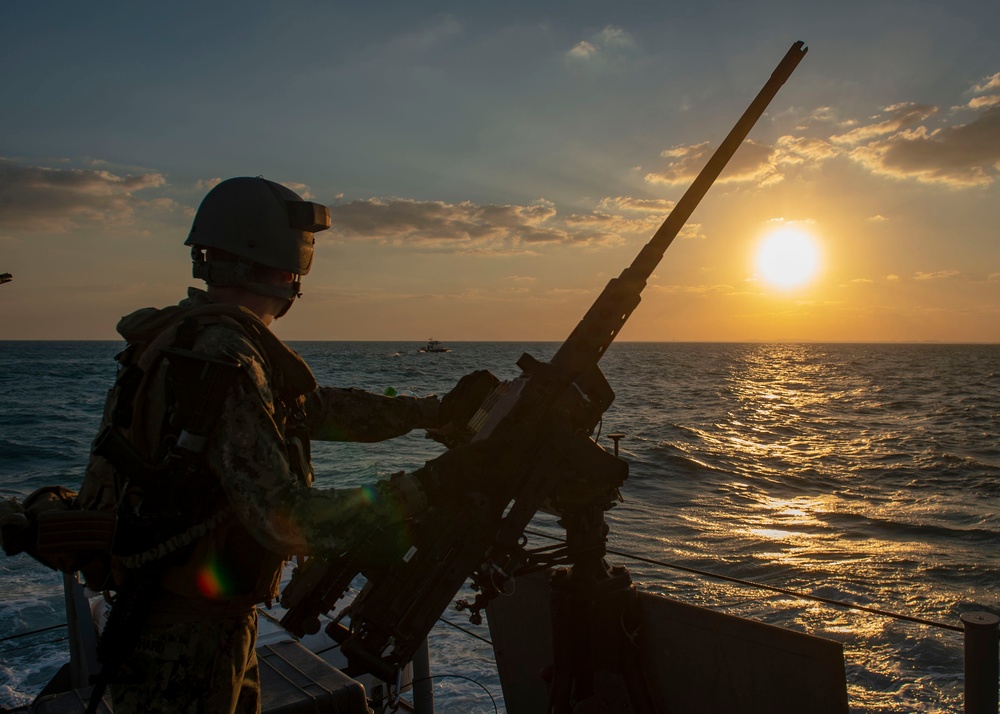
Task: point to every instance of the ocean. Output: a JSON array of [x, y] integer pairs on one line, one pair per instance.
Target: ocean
[[863, 473]]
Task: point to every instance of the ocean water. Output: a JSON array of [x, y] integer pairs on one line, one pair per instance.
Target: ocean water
[[863, 473]]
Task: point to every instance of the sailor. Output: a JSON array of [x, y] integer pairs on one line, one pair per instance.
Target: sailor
[[208, 379]]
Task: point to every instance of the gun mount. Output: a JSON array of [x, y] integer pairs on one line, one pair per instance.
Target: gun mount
[[539, 428]]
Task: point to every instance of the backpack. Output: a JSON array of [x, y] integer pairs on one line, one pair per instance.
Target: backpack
[[155, 424]]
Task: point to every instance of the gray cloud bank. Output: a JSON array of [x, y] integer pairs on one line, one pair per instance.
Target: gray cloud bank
[[56, 200]]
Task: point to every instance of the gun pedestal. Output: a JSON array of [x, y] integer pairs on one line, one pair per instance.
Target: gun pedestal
[[595, 623]]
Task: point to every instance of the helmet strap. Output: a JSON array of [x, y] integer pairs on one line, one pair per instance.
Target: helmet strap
[[288, 304], [241, 274]]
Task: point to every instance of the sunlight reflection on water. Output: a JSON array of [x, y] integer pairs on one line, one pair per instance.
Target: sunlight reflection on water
[[865, 473]]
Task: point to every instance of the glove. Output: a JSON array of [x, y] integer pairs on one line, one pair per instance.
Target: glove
[[475, 467], [459, 405], [15, 535]]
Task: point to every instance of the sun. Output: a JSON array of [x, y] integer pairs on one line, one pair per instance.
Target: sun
[[788, 257]]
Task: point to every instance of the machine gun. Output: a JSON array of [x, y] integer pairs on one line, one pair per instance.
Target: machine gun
[[538, 428]]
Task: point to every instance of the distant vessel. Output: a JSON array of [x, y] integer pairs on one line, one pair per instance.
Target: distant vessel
[[5, 278], [434, 346]]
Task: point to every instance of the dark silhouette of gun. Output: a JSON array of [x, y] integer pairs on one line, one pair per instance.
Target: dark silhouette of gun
[[537, 428]]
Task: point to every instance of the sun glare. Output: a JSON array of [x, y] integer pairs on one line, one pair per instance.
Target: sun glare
[[788, 257]]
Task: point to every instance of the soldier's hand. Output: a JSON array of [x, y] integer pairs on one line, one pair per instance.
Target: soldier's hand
[[14, 527], [476, 467], [459, 405]]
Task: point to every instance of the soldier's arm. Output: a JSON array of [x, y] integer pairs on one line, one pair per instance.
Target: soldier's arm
[[335, 414], [247, 454]]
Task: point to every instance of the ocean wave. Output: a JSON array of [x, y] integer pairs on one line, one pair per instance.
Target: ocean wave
[[866, 526]]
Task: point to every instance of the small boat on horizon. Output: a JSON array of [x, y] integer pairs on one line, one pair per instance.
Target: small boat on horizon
[[433, 346]]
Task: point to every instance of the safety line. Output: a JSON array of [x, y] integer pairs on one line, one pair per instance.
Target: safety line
[[773, 588], [32, 632], [462, 629]]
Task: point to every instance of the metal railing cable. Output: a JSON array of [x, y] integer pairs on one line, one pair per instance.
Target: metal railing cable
[[18, 635], [772, 588], [470, 633], [672, 566]]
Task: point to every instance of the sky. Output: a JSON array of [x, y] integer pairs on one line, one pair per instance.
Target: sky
[[489, 167]]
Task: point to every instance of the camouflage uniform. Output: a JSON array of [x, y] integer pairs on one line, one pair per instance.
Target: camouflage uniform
[[197, 647]]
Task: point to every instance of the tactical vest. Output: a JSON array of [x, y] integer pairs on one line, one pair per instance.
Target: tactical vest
[[204, 551]]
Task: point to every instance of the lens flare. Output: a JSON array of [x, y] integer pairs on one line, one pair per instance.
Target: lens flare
[[213, 582]]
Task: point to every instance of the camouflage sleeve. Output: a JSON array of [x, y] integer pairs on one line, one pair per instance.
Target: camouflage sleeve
[[283, 513], [335, 414]]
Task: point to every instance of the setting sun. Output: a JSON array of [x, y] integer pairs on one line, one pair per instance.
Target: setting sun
[[787, 257]]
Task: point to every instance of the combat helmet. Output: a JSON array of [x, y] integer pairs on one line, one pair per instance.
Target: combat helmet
[[260, 222]]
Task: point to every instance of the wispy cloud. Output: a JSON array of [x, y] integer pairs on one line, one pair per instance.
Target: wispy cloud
[[582, 50], [691, 289], [892, 119], [990, 84], [985, 102], [938, 275], [627, 203], [801, 149], [607, 47], [753, 162]]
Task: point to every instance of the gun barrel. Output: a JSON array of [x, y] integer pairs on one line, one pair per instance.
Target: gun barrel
[[607, 316], [649, 257]]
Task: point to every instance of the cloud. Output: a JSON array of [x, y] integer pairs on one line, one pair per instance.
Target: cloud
[[899, 116], [686, 162], [753, 162], [915, 141], [609, 46], [300, 188], [207, 184], [691, 289], [990, 100], [906, 140], [797, 150], [825, 115], [489, 228], [989, 84], [959, 155], [583, 50], [626, 203], [612, 36], [57, 200], [899, 142], [938, 275]]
